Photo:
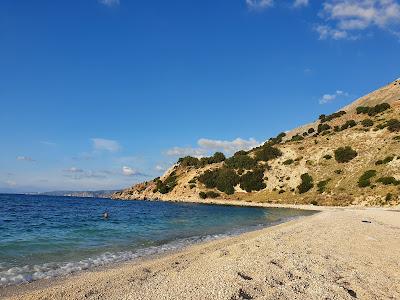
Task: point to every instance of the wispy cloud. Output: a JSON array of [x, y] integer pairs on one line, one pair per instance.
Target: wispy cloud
[[259, 4], [206, 146], [109, 2], [73, 170], [25, 158], [327, 98], [48, 143], [10, 183], [300, 3], [105, 145], [347, 19]]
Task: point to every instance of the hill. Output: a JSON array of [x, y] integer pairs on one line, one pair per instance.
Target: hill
[[84, 194], [349, 157]]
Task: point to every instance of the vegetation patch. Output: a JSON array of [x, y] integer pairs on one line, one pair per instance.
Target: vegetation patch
[[166, 186], [372, 111], [288, 162], [307, 183], [241, 162], [393, 125], [367, 123], [253, 181], [345, 154], [321, 186], [365, 179], [348, 124], [328, 157], [327, 118], [267, 153], [223, 179], [387, 159], [323, 127], [388, 180]]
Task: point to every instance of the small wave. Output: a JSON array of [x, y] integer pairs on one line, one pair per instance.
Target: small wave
[[29, 273]]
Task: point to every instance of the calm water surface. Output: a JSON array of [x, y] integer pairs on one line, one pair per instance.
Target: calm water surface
[[44, 236]]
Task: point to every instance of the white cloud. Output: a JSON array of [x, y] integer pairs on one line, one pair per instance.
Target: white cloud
[[10, 183], [345, 19], [48, 143], [25, 158], [73, 170], [327, 98], [128, 171], [228, 146], [300, 3], [259, 4], [160, 168], [185, 151], [109, 2], [105, 145], [206, 146]]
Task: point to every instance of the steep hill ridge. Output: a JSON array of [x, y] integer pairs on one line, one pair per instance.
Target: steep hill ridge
[[349, 157]]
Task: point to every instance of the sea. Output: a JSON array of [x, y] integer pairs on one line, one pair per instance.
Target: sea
[[47, 236]]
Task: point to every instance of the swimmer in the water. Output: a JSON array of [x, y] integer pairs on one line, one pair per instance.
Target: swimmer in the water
[[105, 215]]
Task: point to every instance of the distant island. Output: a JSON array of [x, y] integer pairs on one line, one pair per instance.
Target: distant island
[[350, 157], [88, 194]]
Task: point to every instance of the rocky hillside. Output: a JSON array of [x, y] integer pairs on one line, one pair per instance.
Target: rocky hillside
[[349, 157]]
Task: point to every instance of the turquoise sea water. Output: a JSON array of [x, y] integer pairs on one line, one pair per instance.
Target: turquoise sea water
[[44, 236]]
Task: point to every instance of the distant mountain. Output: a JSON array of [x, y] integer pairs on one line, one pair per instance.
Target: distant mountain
[[351, 157], [88, 194]]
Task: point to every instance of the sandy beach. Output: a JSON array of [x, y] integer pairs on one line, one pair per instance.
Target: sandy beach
[[338, 253]]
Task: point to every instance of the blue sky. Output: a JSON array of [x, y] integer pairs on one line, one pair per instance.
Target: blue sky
[[103, 94]]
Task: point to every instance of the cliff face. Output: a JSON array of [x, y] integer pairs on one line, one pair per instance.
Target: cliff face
[[350, 157]]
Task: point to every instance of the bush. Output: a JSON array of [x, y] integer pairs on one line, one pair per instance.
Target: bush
[[328, 157], [216, 158], [277, 139], [388, 180], [288, 162], [372, 111], [330, 117], [393, 125], [212, 195], [202, 195], [307, 183], [348, 124], [296, 138], [323, 127], [311, 130], [367, 123], [345, 154], [267, 153], [223, 179], [321, 186], [388, 197], [338, 171], [241, 162], [166, 186], [387, 159], [365, 179], [189, 161], [253, 181]]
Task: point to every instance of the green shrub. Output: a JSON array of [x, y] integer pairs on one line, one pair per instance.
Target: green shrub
[[388, 197], [372, 111], [166, 186], [223, 179], [321, 186], [192, 186], [311, 130], [330, 117], [367, 123], [253, 181], [365, 179], [267, 153], [193, 180], [202, 195], [288, 162], [296, 138], [345, 154], [307, 183], [323, 127], [212, 195], [277, 140], [328, 157], [393, 125], [348, 124], [388, 180], [189, 161], [338, 171], [240, 152], [241, 162], [386, 160]]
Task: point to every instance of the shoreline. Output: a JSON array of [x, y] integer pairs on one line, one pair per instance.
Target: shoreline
[[181, 272]]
